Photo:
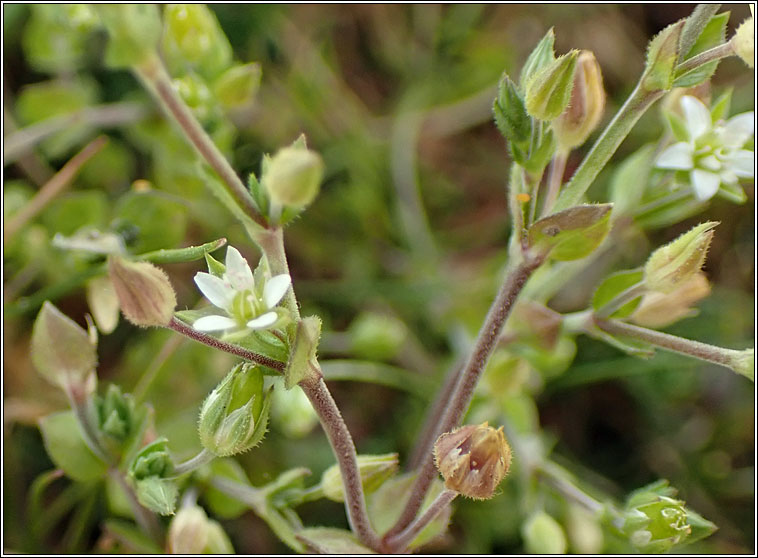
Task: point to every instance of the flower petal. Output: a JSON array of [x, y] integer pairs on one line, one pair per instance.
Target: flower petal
[[275, 289], [677, 156], [214, 323], [238, 271], [214, 289], [696, 116], [738, 129], [705, 184], [742, 163], [263, 321]]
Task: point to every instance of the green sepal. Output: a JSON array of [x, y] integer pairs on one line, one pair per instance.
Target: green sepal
[[548, 92], [303, 353], [180, 255], [541, 155], [720, 107], [330, 540], [542, 55], [157, 494], [68, 450], [614, 285], [571, 234], [510, 114]]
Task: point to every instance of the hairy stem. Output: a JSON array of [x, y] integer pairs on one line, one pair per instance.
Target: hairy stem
[[344, 450], [203, 457], [205, 339], [628, 295], [468, 378], [672, 343], [271, 243], [401, 541], [605, 146], [716, 53], [554, 180], [144, 517], [157, 80]]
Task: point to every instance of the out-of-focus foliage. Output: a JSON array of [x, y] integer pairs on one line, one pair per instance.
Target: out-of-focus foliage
[[408, 235]]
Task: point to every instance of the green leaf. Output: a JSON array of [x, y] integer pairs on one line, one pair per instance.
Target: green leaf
[[510, 114], [630, 180], [131, 536], [76, 210], [614, 285], [66, 447], [134, 31], [161, 222], [387, 503], [218, 502], [178, 255], [329, 540], [700, 527], [632, 347], [573, 233], [303, 353], [713, 34], [61, 350], [542, 55], [662, 54], [541, 155], [157, 494], [238, 85]]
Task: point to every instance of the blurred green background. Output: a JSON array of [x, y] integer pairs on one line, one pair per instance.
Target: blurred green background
[[410, 230]]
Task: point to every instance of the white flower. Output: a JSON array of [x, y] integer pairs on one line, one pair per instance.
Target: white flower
[[245, 304], [713, 154]]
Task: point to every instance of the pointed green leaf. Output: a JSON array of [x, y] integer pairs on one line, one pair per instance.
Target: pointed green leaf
[[66, 447], [662, 54], [713, 34], [542, 55], [179, 255], [573, 233], [614, 285]]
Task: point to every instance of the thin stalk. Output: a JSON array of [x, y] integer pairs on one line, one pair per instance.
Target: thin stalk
[[271, 243], [344, 450], [157, 80], [569, 490], [80, 405], [401, 541], [468, 378], [716, 53], [672, 343], [628, 295], [205, 339], [144, 517], [203, 457], [554, 180], [52, 187], [605, 146]]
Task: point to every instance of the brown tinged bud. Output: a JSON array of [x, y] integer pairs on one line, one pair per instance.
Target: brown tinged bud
[[473, 459], [660, 310], [144, 292], [586, 106]]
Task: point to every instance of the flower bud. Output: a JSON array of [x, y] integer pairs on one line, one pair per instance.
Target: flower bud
[[743, 362], [193, 37], [744, 42], [293, 176], [473, 459], [510, 114], [103, 303], [543, 535], [233, 417], [670, 266], [238, 85], [149, 471], [586, 106], [657, 525], [374, 470], [144, 292], [62, 352], [115, 413], [549, 90], [134, 29], [377, 336], [192, 532], [658, 310]]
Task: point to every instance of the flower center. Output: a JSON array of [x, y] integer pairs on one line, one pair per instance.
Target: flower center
[[246, 306]]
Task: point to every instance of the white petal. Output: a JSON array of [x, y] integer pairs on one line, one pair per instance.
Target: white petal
[[214, 289], [696, 116], [738, 129], [275, 289], [214, 323], [238, 271], [263, 321], [705, 184], [742, 163], [711, 163], [677, 156]]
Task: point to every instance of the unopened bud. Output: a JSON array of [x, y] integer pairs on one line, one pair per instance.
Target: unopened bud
[[192, 532], [134, 29], [193, 37], [238, 85], [548, 92], [144, 292], [658, 525], [62, 352], [543, 535], [670, 266], [743, 362], [115, 413], [473, 459], [374, 470], [744, 42], [293, 176], [658, 310], [585, 108], [150, 471], [233, 417], [510, 114]]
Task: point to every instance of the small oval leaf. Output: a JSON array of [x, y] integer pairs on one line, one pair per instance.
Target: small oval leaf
[[573, 233]]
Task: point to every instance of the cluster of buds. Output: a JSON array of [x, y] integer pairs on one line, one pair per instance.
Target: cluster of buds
[[473, 460], [233, 417]]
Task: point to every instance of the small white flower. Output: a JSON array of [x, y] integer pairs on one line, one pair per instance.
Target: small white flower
[[713, 153], [244, 304]]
